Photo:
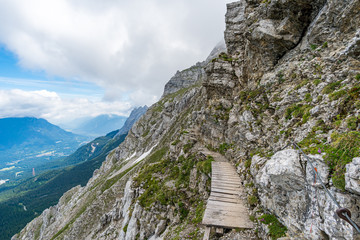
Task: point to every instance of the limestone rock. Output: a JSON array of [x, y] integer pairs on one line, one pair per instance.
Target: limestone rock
[[352, 176]]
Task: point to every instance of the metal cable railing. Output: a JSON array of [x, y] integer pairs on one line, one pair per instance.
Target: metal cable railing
[[343, 213]]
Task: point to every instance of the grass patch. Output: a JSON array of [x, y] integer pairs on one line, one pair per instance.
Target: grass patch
[[252, 200], [298, 111], [317, 82], [223, 148], [205, 166], [303, 83], [331, 87], [344, 148], [338, 94], [308, 97], [276, 229]]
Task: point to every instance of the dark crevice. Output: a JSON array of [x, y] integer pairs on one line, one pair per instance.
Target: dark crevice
[[312, 13]]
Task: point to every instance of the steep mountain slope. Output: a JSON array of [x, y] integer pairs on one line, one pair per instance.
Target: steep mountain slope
[[291, 72]]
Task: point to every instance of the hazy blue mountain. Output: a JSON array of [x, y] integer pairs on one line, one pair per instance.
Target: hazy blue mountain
[[30, 131], [100, 125], [28, 142]]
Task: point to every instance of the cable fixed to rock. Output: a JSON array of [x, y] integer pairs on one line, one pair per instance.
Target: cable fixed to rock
[[343, 213]]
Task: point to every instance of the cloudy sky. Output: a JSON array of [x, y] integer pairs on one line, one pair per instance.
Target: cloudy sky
[[66, 59]]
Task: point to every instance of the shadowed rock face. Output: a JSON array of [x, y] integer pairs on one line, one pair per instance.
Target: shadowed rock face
[[260, 34]]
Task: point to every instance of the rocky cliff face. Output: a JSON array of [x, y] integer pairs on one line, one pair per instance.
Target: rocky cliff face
[[291, 72]]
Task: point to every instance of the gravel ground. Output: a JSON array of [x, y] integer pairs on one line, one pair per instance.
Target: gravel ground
[[233, 235]]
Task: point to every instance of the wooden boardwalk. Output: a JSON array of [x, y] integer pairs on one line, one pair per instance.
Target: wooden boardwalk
[[225, 208]]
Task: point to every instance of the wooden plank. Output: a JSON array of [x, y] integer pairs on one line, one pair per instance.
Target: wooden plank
[[226, 189], [219, 199], [219, 190], [227, 182], [236, 189], [233, 208], [224, 177], [233, 175], [225, 185], [226, 222], [224, 207], [207, 233], [225, 174], [224, 195], [220, 204]]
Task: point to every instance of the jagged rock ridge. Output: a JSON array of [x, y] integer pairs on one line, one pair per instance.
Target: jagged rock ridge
[[290, 72]]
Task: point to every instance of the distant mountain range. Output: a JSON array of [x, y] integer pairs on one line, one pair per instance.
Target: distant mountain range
[[28, 142], [32, 132], [39, 192], [100, 125]]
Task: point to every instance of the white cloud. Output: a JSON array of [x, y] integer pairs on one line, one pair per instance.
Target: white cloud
[[126, 47], [49, 105]]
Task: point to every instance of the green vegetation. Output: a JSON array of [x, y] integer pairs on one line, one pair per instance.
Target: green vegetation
[[252, 200], [223, 148], [174, 143], [298, 111], [338, 94], [303, 83], [276, 229], [167, 182], [352, 122], [344, 147], [317, 82], [199, 212], [313, 47], [308, 97], [226, 57], [357, 77], [248, 163], [331, 87], [125, 228], [280, 76], [205, 166], [222, 112]]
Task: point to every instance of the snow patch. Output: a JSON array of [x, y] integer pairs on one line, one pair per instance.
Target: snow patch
[[144, 155], [51, 153], [92, 148], [133, 155], [7, 169], [3, 181]]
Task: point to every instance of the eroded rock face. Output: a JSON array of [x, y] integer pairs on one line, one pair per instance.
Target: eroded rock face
[[185, 78], [352, 176], [260, 34], [288, 186]]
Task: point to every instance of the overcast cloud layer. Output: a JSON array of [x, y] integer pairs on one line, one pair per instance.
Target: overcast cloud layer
[[129, 48]]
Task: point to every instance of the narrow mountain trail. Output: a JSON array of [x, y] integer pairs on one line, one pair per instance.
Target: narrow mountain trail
[[226, 208]]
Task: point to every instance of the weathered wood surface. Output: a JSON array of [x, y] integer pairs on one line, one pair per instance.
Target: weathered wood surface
[[225, 208]]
